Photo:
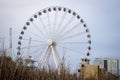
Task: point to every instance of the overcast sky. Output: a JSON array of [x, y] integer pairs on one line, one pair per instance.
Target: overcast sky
[[101, 16]]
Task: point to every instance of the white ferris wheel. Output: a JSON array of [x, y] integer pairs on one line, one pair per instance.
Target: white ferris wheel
[[52, 30]]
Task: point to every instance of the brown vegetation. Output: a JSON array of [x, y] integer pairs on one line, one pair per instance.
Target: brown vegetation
[[10, 70]]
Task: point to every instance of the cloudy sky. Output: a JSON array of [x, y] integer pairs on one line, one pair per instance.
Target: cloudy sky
[[101, 16]]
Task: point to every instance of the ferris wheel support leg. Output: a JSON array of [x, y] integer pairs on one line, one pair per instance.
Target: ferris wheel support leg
[[43, 58], [47, 57], [56, 58]]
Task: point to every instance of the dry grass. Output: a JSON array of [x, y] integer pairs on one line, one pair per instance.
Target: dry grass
[[10, 70]]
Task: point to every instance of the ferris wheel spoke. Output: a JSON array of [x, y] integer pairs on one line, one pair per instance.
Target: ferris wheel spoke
[[66, 25], [45, 29], [49, 25], [34, 34], [71, 49], [72, 42], [26, 47], [72, 36], [61, 21], [37, 50], [68, 31], [39, 30], [55, 21], [32, 40]]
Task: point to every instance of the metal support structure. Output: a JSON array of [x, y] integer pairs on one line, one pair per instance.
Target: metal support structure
[[43, 57], [46, 55], [56, 57]]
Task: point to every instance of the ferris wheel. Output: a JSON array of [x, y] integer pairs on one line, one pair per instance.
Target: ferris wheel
[[52, 30]]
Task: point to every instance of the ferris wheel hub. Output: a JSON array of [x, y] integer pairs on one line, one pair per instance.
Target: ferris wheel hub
[[50, 42]]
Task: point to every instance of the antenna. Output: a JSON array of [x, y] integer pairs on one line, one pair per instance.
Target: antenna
[[10, 43], [29, 48], [2, 40]]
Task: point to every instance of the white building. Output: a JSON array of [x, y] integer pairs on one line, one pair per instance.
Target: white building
[[111, 65]]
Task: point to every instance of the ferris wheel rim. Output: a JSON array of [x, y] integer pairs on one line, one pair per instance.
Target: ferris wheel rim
[[75, 15]]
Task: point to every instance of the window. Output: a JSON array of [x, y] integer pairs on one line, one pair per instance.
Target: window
[[105, 64]]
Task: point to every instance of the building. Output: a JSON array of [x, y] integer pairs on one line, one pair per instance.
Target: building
[[94, 72], [30, 62], [109, 64], [91, 72]]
